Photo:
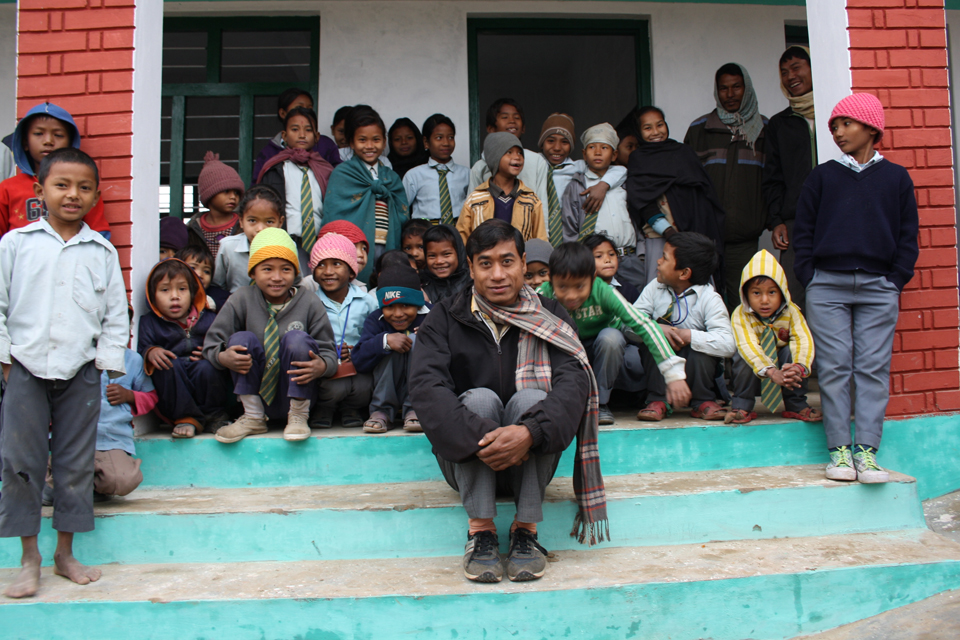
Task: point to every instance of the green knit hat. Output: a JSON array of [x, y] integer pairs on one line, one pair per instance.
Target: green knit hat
[[273, 242]]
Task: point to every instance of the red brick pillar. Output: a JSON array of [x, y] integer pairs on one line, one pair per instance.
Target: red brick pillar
[[898, 52], [79, 54]]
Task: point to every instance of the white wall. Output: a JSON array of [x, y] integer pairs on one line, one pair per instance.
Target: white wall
[[830, 61], [410, 58]]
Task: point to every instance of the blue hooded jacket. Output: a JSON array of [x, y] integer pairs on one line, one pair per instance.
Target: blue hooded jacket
[[15, 140]]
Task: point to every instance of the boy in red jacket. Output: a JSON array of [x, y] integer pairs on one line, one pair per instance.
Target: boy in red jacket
[[46, 127]]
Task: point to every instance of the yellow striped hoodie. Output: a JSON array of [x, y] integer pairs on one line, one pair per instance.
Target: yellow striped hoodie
[[788, 323]]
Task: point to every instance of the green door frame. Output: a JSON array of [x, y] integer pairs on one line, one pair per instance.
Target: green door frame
[[246, 91], [639, 29]]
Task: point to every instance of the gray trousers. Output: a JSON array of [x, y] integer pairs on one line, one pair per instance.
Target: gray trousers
[[43, 417], [345, 394], [746, 385], [701, 371], [852, 316], [615, 363], [479, 485], [390, 392]]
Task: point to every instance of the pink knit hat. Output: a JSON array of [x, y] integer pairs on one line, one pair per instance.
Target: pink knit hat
[[216, 177], [865, 108], [336, 246]]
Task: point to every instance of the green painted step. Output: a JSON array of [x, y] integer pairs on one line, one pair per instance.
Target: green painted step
[[921, 447], [720, 590], [426, 518]]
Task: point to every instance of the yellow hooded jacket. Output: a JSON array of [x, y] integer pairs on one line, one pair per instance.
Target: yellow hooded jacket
[[789, 324]]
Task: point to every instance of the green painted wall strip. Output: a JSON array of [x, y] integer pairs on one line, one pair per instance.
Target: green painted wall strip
[[778, 606], [921, 447], [335, 534]]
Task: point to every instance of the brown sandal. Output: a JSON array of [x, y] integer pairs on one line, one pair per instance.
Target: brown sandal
[[709, 411], [739, 416], [653, 412], [411, 423], [378, 422], [807, 414]]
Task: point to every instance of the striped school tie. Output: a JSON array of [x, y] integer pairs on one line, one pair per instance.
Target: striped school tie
[[308, 227], [770, 393], [665, 318], [446, 207], [554, 219], [589, 226], [271, 347]]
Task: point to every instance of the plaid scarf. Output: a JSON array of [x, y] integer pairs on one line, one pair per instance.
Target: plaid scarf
[[539, 328]]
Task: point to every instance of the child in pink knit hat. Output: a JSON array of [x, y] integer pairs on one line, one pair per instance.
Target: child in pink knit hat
[[334, 264], [855, 240], [220, 189]]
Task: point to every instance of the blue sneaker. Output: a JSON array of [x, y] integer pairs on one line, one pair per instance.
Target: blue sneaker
[[481, 558]]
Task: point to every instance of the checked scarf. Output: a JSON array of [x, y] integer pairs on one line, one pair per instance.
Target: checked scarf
[[540, 328]]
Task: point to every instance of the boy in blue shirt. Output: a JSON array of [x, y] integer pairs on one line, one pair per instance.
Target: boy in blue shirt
[[855, 246], [63, 320]]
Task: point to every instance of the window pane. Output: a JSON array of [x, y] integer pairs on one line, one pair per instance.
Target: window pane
[[184, 56], [212, 124], [265, 56], [166, 109], [266, 124]]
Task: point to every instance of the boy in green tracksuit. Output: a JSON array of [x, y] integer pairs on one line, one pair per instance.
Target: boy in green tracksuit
[[606, 322]]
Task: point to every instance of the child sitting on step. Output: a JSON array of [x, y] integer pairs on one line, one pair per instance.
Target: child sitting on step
[[334, 264], [384, 348], [447, 272], [261, 208], [693, 318], [608, 262], [192, 392], [774, 346], [411, 239], [606, 322], [275, 338]]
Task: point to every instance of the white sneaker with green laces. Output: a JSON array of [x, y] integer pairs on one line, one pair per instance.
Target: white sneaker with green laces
[[841, 465], [868, 471]]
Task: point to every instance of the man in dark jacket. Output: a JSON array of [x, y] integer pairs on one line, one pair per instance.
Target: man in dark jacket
[[791, 152], [488, 434], [730, 143]]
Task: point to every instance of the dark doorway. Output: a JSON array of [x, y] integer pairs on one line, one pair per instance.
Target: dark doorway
[[594, 70]]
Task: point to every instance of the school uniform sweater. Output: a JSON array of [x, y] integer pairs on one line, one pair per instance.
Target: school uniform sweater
[[247, 310], [607, 308], [848, 221]]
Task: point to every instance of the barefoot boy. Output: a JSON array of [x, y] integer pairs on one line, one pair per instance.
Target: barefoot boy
[[63, 319]]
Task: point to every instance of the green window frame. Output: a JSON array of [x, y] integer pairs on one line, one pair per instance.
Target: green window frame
[[639, 28], [246, 91]]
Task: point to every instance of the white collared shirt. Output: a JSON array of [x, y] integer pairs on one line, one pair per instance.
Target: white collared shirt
[[346, 153], [700, 309], [422, 185], [230, 272], [849, 162], [292, 179], [613, 219], [62, 304]]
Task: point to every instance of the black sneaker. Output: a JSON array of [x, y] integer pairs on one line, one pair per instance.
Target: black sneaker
[[481, 558], [606, 416], [526, 560]]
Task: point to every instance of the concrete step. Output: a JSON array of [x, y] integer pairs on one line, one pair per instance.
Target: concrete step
[[348, 456], [720, 590], [426, 518]]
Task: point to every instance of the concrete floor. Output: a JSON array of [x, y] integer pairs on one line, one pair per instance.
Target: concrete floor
[[936, 618]]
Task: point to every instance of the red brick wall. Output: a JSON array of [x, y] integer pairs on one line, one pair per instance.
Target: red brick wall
[[79, 54], [898, 53]]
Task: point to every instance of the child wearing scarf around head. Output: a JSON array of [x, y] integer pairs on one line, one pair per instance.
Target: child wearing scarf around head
[[668, 190], [363, 190], [730, 142], [300, 176]]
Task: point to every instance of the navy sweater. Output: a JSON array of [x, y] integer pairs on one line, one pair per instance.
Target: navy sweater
[[848, 221], [369, 351]]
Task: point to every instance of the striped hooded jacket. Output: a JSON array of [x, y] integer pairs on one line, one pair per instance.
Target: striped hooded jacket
[[527, 212], [788, 323]]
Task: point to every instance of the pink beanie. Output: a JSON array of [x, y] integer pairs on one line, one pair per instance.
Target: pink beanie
[[865, 108], [217, 177], [336, 246]]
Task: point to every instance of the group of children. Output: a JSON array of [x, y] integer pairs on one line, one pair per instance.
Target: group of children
[[299, 298]]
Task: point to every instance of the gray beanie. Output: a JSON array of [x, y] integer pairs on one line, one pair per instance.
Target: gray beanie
[[496, 145], [538, 251]]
